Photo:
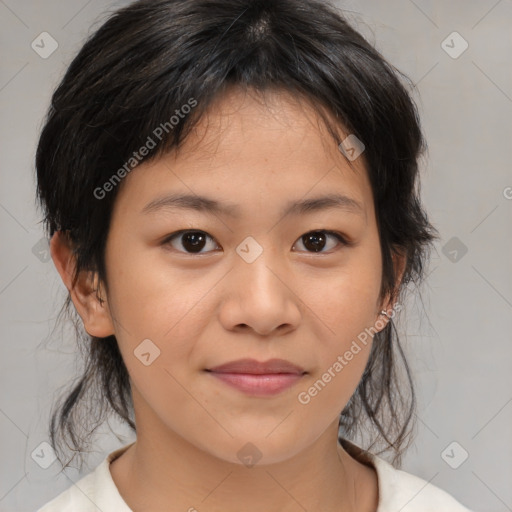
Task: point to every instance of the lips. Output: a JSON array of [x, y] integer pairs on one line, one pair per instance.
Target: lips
[[258, 379], [254, 367]]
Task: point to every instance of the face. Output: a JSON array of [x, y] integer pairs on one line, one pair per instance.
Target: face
[[245, 280]]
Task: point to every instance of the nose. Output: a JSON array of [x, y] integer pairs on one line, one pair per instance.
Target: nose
[[260, 296]]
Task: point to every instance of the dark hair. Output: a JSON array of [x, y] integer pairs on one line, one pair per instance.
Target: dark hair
[[147, 61]]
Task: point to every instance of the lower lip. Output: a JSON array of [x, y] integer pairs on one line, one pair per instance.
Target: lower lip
[[259, 385]]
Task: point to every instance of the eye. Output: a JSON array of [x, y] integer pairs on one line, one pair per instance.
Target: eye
[[192, 241], [315, 241]]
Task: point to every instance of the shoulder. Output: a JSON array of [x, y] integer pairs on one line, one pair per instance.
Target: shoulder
[[402, 491], [95, 492], [75, 498], [409, 493]]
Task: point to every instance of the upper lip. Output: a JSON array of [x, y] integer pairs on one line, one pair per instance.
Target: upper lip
[[252, 366]]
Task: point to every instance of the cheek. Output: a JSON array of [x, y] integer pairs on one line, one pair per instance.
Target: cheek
[[151, 300], [340, 365], [157, 315], [348, 299], [347, 306], [151, 293]]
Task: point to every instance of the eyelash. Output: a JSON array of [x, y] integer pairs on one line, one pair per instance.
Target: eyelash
[[341, 239]]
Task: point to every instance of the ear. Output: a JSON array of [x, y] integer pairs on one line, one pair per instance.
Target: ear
[[94, 312], [389, 303]]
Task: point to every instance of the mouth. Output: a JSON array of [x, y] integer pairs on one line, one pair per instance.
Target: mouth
[[258, 378]]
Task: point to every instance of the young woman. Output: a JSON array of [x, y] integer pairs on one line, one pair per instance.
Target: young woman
[[230, 189]]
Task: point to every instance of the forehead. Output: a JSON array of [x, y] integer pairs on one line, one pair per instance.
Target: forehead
[[274, 115], [273, 145]]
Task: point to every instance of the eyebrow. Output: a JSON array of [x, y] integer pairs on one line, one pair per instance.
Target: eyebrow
[[208, 205]]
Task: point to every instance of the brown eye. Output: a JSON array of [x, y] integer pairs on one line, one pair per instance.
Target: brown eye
[[316, 241], [192, 242]]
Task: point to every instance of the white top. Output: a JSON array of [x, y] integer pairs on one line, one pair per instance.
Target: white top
[[398, 490]]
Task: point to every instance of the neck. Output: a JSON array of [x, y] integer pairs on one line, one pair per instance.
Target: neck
[[155, 472], [163, 471]]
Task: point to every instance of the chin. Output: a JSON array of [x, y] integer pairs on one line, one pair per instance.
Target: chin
[[257, 450]]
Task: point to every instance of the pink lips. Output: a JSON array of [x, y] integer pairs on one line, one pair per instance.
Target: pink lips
[[258, 378]]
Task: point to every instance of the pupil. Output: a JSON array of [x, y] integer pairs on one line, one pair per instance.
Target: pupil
[[194, 241], [317, 239]]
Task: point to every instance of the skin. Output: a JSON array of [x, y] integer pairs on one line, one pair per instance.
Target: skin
[[208, 309]]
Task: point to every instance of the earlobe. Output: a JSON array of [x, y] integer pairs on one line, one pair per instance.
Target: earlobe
[[87, 295]]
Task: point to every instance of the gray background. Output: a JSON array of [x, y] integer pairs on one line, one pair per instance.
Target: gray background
[[458, 330]]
